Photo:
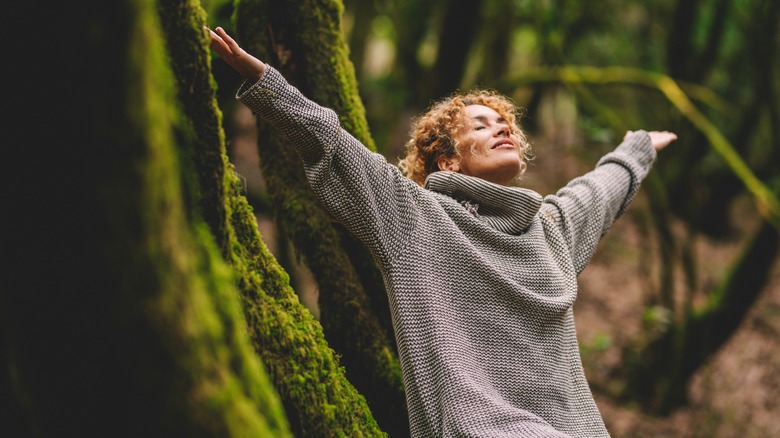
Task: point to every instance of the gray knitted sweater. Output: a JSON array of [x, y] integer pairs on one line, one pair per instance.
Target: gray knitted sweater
[[481, 278]]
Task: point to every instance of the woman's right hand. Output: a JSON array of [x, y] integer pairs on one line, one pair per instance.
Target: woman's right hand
[[226, 47]]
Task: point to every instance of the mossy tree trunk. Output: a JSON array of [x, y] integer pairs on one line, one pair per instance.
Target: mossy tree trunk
[[316, 394], [304, 40], [118, 315]]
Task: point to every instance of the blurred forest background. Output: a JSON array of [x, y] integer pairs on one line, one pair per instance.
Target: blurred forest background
[[160, 288]]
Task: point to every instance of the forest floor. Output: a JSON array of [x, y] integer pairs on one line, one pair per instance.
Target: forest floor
[[736, 394]]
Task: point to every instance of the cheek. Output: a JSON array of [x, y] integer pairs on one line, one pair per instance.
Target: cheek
[[482, 142], [467, 145], [518, 139]]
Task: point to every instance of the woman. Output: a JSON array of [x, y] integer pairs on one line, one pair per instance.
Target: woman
[[481, 276]]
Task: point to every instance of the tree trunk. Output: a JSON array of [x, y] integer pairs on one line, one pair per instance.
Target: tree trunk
[[363, 13], [411, 20], [498, 27], [118, 316], [316, 394], [461, 18], [306, 44], [304, 41]]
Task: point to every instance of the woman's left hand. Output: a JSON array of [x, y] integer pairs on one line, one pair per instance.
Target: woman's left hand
[[659, 139]]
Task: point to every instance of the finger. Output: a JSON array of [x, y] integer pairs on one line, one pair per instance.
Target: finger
[[219, 45], [231, 43]]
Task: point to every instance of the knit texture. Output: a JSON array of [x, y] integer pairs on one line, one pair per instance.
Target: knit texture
[[481, 278]]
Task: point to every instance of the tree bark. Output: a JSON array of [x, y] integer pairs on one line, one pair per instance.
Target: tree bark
[[318, 398], [118, 315], [363, 12], [304, 40], [461, 18]]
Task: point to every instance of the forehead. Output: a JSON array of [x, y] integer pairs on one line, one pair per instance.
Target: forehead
[[481, 112]]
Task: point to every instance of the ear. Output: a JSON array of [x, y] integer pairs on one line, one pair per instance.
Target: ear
[[448, 164]]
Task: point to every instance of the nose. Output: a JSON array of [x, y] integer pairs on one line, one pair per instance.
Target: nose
[[502, 130]]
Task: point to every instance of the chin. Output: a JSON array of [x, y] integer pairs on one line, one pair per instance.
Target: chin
[[511, 170], [505, 175]]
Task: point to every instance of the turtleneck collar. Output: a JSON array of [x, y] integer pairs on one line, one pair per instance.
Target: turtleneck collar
[[507, 209]]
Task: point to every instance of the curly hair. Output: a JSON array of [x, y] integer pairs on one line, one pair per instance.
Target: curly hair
[[434, 134]]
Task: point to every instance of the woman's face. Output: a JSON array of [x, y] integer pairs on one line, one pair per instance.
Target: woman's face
[[488, 147]]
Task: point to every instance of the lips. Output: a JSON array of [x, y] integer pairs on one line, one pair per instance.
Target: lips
[[503, 143]]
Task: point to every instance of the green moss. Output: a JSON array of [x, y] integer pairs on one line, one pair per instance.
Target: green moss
[[228, 390], [349, 299], [306, 372], [318, 398], [136, 321], [183, 23], [285, 334]]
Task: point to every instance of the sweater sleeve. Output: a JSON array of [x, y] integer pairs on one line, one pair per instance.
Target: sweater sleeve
[[358, 187], [586, 208]]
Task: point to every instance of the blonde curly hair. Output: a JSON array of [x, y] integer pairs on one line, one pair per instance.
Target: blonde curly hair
[[434, 134]]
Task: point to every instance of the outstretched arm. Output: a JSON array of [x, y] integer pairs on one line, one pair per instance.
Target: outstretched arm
[[587, 206], [360, 188], [226, 47]]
